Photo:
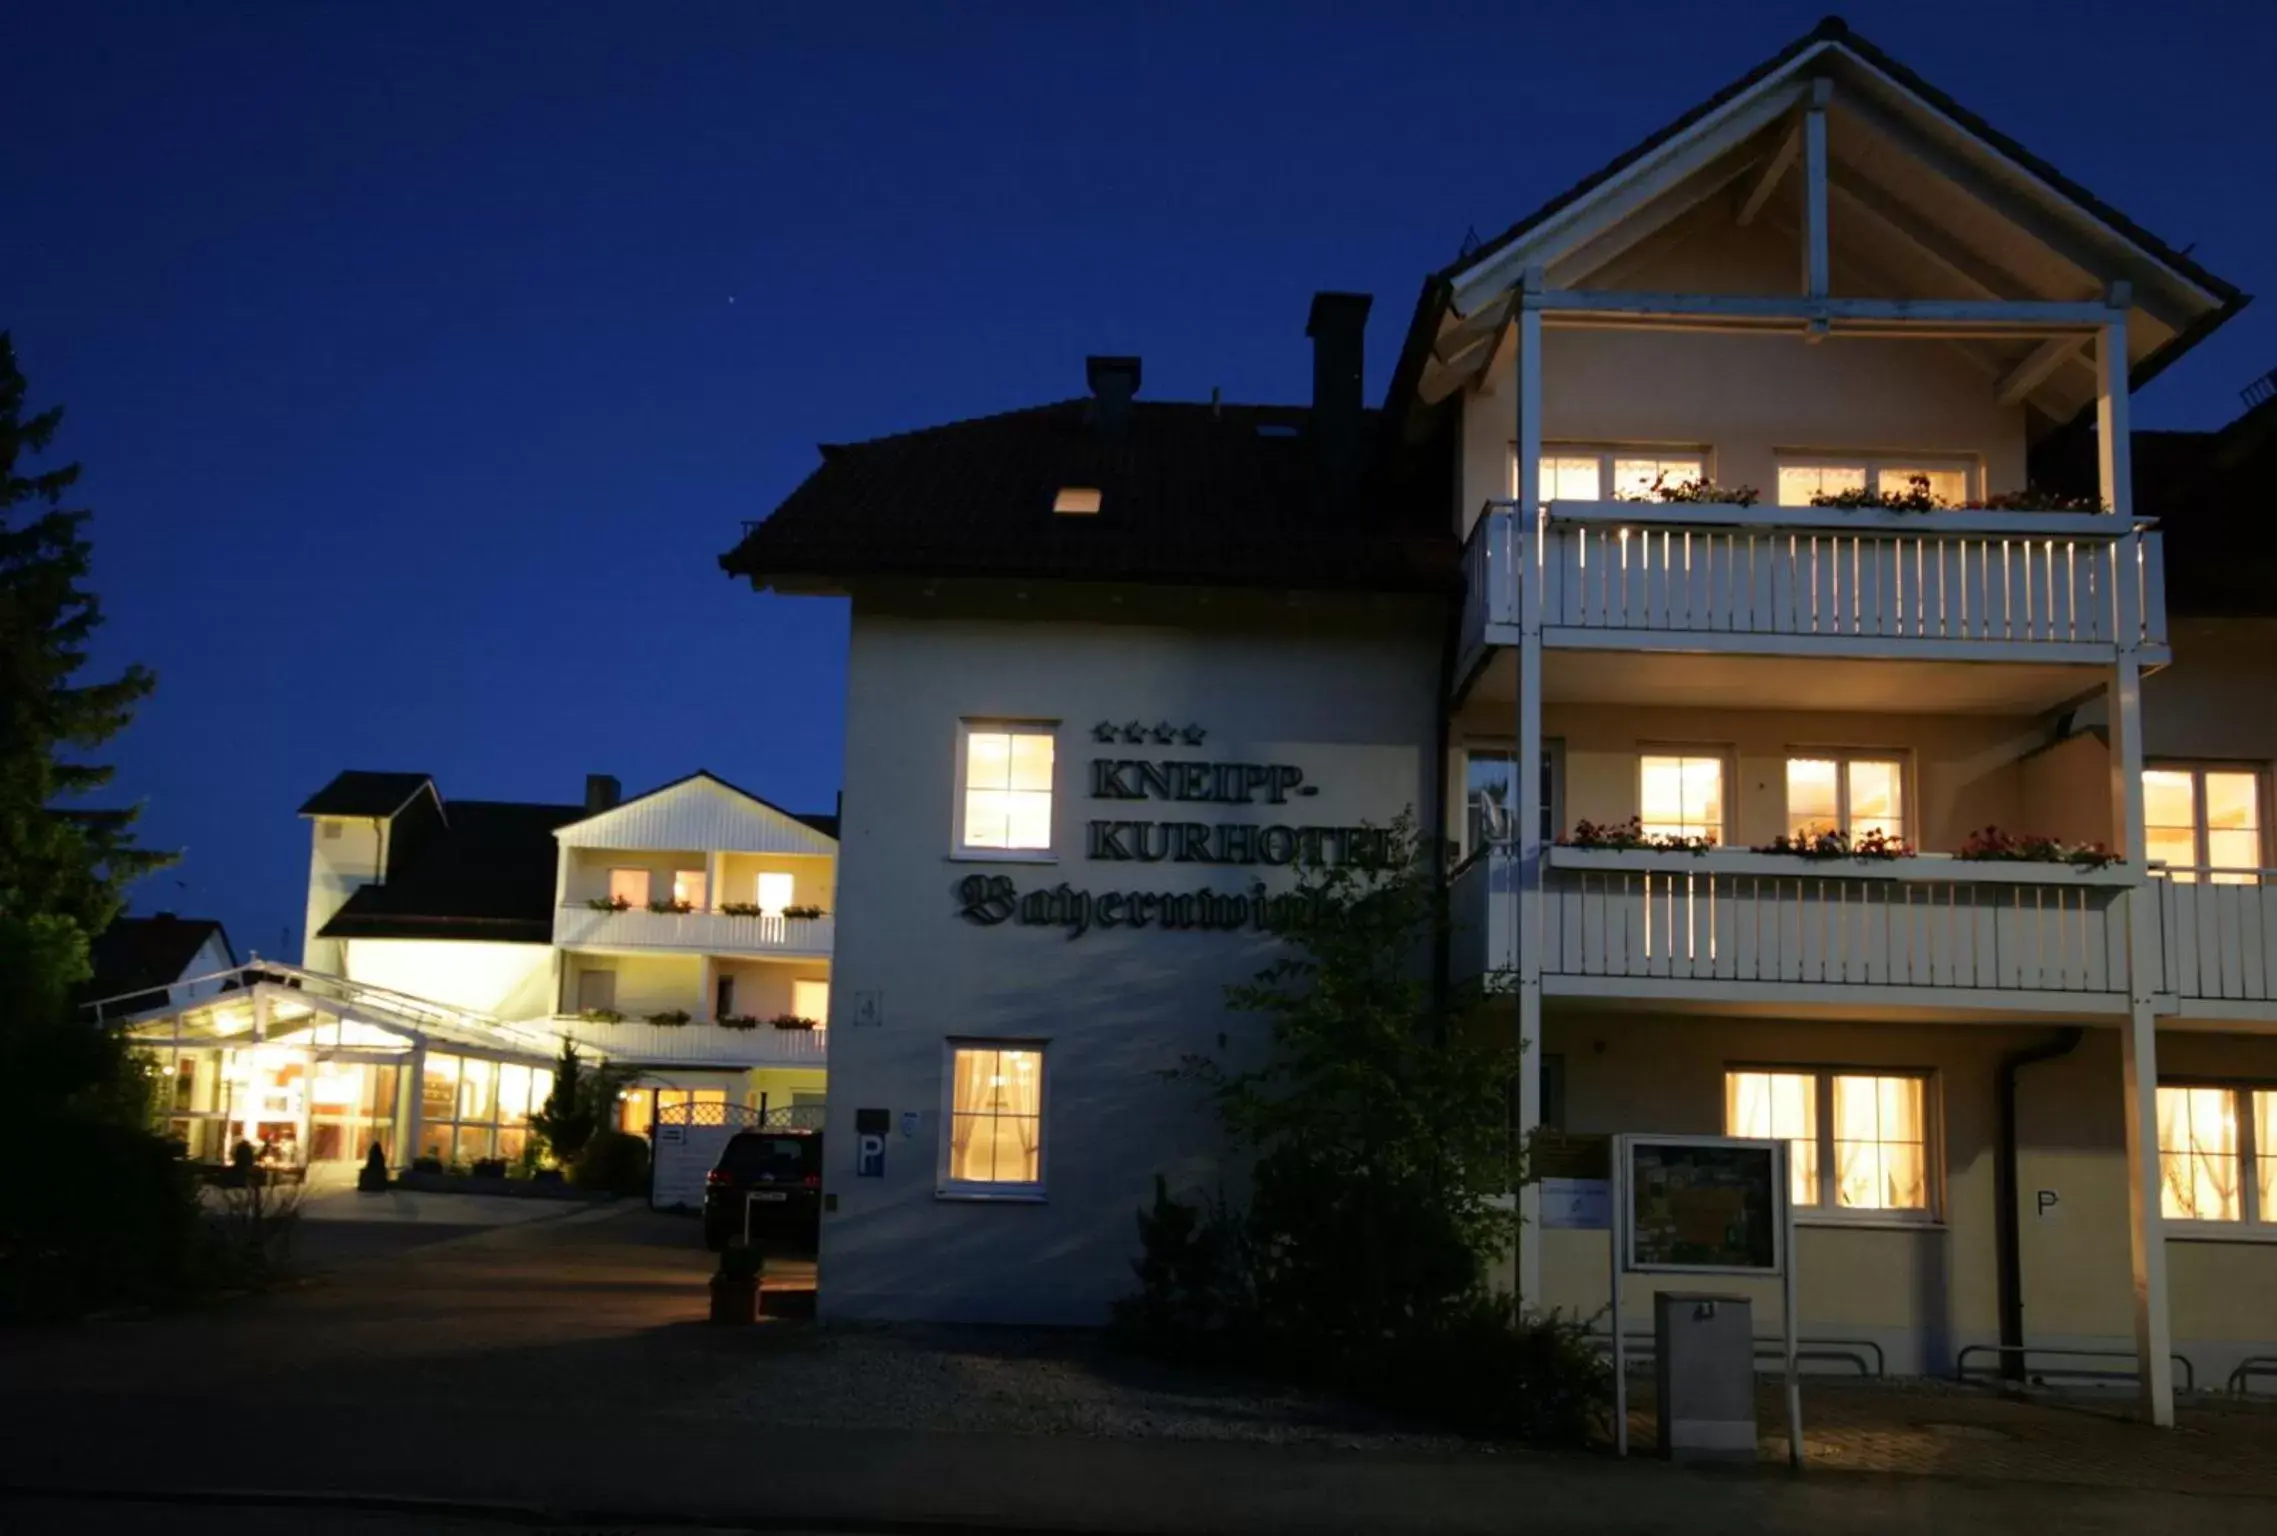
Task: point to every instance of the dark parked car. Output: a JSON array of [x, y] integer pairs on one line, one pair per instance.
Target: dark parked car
[[773, 1179]]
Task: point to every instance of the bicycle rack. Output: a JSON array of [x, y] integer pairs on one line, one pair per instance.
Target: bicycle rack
[[2251, 1365], [1961, 1370]]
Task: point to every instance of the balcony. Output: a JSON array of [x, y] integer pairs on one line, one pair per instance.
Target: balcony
[[2218, 943], [2037, 587], [699, 1042], [1736, 927], [702, 933]]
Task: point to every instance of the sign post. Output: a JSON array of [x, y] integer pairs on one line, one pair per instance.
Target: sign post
[[1703, 1205]]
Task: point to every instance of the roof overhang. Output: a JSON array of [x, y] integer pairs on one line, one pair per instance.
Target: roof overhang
[[1926, 200]]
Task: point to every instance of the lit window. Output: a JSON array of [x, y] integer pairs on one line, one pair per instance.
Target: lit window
[[774, 893], [629, 886], [1860, 1141], [2204, 819], [2201, 1155], [1007, 789], [1951, 483], [1584, 474], [690, 887], [811, 1000], [1642, 479], [1778, 1106], [1853, 795], [1682, 796], [1076, 501], [996, 1118]]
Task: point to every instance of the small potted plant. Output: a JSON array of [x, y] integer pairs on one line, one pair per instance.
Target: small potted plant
[[670, 1018], [737, 1021], [664, 905], [602, 1016], [803, 913], [608, 903], [739, 909], [792, 1021]]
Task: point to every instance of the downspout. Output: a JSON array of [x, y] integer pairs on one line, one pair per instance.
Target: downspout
[[2007, 1198]]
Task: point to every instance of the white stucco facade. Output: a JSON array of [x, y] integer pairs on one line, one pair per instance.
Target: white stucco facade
[[1114, 1008]]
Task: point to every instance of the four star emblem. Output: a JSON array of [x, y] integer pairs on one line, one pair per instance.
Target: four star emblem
[[1136, 732]]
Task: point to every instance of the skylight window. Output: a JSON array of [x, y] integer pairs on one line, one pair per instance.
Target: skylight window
[[1077, 501]]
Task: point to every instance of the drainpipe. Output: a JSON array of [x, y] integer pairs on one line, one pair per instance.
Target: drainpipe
[[2008, 1210]]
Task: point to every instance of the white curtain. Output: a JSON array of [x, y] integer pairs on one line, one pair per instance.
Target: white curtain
[[2198, 1154]]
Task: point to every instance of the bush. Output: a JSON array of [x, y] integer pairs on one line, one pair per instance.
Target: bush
[[93, 1215], [1492, 1369], [612, 1161]]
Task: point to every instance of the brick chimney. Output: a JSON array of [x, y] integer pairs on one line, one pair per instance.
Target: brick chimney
[[601, 792], [1112, 381]]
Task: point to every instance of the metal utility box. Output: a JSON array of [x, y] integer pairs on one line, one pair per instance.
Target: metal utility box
[[1704, 1365]]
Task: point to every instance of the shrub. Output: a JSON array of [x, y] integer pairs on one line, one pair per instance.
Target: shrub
[[1916, 497], [2035, 498], [740, 909], [802, 912], [665, 904], [792, 1021], [612, 1161], [1689, 492], [671, 1017], [1492, 1369], [608, 903], [737, 1021], [95, 1215], [1193, 1298]]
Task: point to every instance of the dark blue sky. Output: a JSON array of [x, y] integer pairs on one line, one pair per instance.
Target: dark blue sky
[[422, 357]]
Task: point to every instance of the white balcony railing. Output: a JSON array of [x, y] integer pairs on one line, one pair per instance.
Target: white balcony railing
[[2218, 936], [1954, 583], [710, 933], [1727, 923], [697, 1042]]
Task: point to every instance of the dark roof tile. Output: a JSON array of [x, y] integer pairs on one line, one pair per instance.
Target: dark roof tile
[[362, 792], [488, 875], [1191, 494]]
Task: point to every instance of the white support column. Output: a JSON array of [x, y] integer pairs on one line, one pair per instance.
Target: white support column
[[413, 1090], [2146, 1232], [1526, 839], [1815, 259]]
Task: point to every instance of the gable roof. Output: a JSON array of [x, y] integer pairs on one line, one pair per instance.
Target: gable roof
[[153, 952], [1893, 112], [1191, 494], [487, 874], [363, 792], [701, 810]]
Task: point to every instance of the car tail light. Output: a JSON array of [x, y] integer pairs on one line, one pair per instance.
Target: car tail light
[[716, 1176], [812, 1181]]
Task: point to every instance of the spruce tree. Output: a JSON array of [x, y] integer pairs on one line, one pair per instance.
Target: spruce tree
[[63, 868]]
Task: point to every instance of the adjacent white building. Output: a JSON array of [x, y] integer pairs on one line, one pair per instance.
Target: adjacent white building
[[1706, 495]]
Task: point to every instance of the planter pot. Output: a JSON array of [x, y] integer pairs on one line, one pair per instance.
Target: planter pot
[[735, 1299], [549, 1176]]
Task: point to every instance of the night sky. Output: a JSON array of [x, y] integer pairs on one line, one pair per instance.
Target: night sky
[[423, 357]]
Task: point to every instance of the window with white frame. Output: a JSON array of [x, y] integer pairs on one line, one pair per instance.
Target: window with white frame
[[1854, 794], [2204, 817], [1951, 481], [1860, 1140], [774, 892], [629, 887], [811, 1000], [1490, 788], [1680, 793], [2217, 1153], [1004, 788], [994, 1132], [1613, 474], [690, 887]]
